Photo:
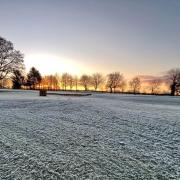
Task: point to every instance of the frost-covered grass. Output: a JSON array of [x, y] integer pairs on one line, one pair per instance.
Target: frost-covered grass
[[103, 136]]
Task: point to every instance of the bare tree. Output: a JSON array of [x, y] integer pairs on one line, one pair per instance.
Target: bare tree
[[58, 78], [173, 77], [135, 84], [155, 86], [64, 80], [114, 80], [97, 80], [76, 80], [123, 85], [70, 81], [50, 82], [85, 81], [10, 59]]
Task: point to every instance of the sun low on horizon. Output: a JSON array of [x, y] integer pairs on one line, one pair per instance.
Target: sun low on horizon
[[51, 64]]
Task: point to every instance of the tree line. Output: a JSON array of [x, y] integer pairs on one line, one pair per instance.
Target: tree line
[[12, 66]]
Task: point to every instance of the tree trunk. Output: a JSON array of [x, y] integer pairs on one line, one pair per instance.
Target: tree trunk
[[110, 89], [173, 89]]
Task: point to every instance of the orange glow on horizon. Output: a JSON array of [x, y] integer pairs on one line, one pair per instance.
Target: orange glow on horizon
[[50, 64]]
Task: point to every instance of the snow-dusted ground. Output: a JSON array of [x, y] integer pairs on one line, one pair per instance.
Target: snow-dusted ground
[[103, 136]]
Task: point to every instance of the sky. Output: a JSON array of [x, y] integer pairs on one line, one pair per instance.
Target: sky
[[134, 37]]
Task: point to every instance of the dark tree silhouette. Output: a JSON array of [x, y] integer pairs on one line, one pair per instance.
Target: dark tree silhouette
[[155, 86], [123, 86], [97, 80], [64, 80], [76, 81], [17, 79], [58, 78], [135, 84], [173, 77], [114, 80], [33, 78], [85, 81], [10, 59], [50, 82], [70, 81]]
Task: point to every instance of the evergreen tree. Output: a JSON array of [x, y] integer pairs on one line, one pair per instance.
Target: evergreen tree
[[33, 78], [17, 79]]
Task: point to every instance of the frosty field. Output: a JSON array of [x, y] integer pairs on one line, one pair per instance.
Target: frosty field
[[103, 136]]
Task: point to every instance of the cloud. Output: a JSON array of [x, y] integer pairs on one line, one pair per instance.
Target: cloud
[[149, 78]]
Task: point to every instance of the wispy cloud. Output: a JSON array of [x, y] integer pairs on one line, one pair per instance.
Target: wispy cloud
[[149, 78]]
